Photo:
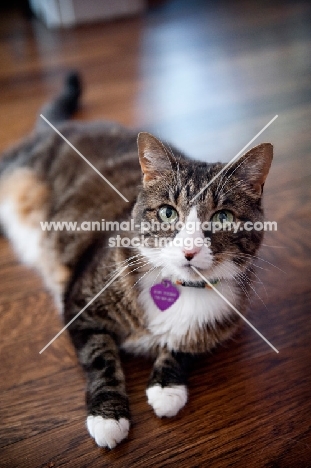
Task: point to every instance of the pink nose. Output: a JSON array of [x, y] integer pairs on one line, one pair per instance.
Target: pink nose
[[189, 254]]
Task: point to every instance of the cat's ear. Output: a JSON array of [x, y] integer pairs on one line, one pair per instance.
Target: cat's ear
[[253, 167], [154, 158]]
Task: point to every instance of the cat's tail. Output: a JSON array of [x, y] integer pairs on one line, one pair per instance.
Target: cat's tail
[[64, 105]]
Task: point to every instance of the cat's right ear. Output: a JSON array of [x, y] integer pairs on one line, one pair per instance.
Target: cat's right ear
[[154, 158]]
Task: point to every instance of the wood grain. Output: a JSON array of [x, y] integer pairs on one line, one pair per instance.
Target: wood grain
[[207, 77]]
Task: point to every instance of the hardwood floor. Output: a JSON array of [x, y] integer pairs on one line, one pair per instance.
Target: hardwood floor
[[207, 77]]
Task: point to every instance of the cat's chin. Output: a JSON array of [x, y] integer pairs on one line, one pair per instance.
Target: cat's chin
[[227, 270], [185, 273]]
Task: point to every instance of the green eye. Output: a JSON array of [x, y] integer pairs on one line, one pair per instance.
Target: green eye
[[168, 214], [223, 216]]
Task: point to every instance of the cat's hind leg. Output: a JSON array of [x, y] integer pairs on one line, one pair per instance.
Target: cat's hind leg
[[24, 204]]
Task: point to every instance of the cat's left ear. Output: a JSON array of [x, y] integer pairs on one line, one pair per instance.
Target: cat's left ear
[[253, 167], [154, 157]]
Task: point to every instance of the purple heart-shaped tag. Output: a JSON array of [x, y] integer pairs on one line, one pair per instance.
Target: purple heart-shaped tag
[[164, 294]]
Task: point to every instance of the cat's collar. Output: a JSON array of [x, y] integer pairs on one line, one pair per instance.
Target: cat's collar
[[197, 284]]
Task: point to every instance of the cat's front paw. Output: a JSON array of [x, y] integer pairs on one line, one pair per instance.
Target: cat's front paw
[[167, 401], [107, 432]]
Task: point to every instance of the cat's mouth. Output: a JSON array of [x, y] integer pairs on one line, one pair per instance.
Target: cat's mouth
[[188, 274], [188, 267], [210, 272]]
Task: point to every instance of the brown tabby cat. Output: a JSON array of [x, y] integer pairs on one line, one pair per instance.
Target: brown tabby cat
[[158, 305]]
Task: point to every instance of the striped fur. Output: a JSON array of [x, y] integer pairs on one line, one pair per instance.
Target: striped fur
[[43, 179]]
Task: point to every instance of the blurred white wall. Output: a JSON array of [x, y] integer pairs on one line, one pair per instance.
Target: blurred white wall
[[67, 13]]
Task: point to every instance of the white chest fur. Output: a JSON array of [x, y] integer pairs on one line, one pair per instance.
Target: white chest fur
[[193, 309]]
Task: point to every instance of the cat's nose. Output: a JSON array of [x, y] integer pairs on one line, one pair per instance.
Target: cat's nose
[[189, 254]]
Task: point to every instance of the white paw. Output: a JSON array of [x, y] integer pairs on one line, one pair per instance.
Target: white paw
[[107, 432], [167, 401]]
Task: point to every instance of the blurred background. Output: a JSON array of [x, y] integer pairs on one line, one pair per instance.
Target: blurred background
[[205, 75]]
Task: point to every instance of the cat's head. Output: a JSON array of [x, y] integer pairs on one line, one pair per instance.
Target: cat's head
[[179, 225]]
